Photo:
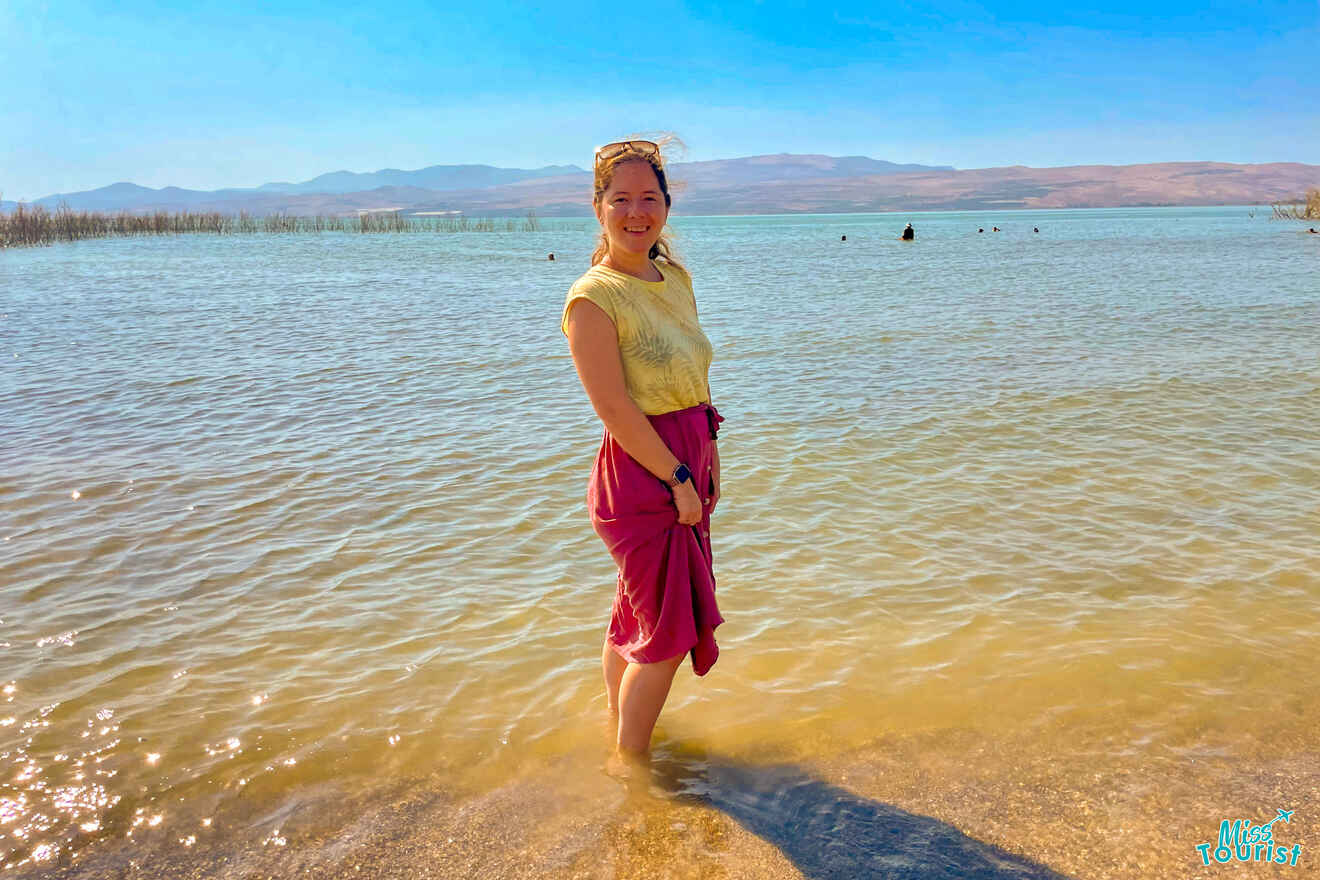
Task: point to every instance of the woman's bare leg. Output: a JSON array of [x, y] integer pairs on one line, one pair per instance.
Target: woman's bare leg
[[642, 694], [612, 665]]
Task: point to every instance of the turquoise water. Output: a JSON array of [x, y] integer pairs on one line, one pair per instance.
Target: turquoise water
[[292, 517]]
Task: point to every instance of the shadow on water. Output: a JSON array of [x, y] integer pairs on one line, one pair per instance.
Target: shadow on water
[[828, 832]]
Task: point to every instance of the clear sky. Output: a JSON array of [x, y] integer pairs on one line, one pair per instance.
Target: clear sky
[[205, 95]]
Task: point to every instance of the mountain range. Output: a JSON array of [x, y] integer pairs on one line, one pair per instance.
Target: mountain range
[[784, 183]]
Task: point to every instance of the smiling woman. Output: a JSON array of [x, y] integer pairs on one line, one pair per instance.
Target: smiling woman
[[629, 187], [631, 323]]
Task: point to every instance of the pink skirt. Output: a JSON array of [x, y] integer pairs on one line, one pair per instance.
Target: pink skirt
[[665, 602]]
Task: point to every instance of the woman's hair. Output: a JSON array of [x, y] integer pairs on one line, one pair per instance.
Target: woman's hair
[[664, 246]]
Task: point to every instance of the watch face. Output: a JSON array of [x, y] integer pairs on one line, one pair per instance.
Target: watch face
[[682, 474]]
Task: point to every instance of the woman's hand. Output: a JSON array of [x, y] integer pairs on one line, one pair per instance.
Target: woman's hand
[[687, 502]]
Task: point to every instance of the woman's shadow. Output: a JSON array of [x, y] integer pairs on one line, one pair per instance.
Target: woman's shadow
[[830, 832]]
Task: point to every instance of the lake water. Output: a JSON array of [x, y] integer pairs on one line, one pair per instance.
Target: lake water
[[1018, 537]]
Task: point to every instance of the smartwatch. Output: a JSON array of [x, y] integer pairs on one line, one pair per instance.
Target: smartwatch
[[681, 475]]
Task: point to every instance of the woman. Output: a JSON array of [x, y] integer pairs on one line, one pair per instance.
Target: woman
[[631, 323]]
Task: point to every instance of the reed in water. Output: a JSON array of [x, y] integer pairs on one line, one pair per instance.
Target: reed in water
[[1307, 208], [35, 226]]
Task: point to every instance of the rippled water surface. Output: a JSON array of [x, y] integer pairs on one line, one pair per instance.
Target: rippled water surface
[[294, 529]]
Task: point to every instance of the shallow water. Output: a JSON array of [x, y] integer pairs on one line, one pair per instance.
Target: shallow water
[[293, 526]]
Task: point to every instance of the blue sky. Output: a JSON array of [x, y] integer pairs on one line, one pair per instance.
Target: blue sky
[[205, 95]]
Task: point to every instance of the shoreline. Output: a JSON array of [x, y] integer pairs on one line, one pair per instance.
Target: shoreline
[[934, 804]]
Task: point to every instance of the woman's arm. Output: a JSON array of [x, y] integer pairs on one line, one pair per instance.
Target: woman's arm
[[594, 342]]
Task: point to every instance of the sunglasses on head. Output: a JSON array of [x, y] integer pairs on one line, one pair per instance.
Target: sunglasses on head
[[609, 151]]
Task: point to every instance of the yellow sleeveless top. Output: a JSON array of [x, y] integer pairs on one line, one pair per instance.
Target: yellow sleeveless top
[[666, 357]]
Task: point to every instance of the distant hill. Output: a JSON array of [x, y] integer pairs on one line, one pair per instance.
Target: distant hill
[[784, 183], [1014, 187], [787, 166], [791, 186], [436, 178]]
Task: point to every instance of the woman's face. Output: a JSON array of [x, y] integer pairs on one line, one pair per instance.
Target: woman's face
[[632, 210]]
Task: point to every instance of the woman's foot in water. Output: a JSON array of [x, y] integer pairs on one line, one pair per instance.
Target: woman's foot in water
[[630, 768]]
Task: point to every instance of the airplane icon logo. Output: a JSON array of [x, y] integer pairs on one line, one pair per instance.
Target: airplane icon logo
[[1285, 815]]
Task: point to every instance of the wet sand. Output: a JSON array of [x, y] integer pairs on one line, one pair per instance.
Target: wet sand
[[942, 804]]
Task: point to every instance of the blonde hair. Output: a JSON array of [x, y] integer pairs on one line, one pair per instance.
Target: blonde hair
[[663, 248]]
